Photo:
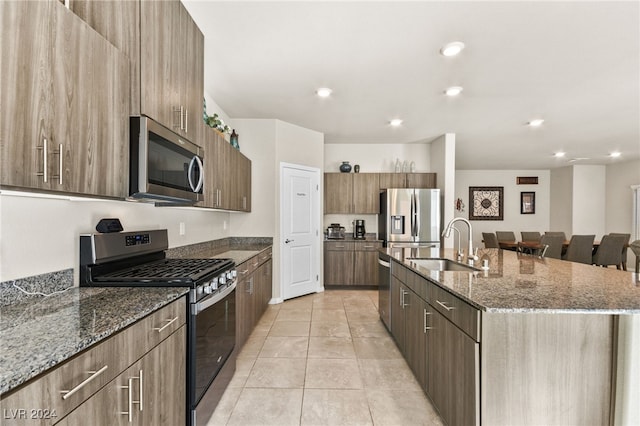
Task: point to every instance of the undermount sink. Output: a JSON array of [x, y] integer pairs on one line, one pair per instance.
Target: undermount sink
[[442, 265]]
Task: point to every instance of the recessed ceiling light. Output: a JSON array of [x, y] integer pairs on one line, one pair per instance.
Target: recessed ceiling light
[[536, 123], [452, 49], [615, 154], [559, 154], [395, 122], [573, 160], [324, 92], [453, 91]]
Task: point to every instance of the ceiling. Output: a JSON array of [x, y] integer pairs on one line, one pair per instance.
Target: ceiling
[[573, 64]]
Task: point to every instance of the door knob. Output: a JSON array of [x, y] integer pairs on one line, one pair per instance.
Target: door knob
[[287, 241]]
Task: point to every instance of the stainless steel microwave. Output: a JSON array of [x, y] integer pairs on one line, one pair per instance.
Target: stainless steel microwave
[[164, 167]]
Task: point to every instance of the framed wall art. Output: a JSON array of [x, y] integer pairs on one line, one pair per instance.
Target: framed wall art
[[486, 203], [527, 203]]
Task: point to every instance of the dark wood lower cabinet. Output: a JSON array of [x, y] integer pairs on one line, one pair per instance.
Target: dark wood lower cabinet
[[253, 293], [351, 262], [443, 358]]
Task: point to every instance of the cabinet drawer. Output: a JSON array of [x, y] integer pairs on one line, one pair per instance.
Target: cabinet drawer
[[68, 385], [399, 271], [419, 285], [265, 255], [459, 312], [368, 246], [339, 245], [246, 268]]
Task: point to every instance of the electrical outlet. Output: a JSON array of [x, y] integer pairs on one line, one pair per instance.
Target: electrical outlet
[[182, 228]]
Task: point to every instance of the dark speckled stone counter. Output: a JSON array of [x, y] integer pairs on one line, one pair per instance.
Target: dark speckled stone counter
[[37, 333], [523, 283], [240, 250]]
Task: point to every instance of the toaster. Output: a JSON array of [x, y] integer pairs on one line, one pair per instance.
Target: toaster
[[335, 232]]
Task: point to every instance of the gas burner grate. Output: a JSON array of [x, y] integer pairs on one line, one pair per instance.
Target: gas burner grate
[[169, 270]]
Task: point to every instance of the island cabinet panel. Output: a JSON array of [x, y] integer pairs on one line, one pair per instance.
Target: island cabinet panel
[[58, 133], [547, 368], [415, 336], [397, 292]]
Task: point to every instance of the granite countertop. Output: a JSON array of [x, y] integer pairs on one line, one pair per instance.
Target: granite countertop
[[238, 253], [518, 282], [37, 332]]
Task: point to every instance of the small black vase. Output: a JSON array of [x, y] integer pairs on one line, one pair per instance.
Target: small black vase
[[345, 167]]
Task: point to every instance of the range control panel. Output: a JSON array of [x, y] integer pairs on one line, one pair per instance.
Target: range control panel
[[137, 239]]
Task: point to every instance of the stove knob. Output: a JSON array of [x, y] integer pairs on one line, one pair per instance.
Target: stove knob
[[214, 284], [222, 280], [229, 276], [234, 273], [208, 289], [200, 290]]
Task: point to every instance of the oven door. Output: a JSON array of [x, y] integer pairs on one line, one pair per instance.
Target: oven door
[[212, 339]]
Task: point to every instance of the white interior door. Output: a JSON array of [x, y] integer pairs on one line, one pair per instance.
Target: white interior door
[[300, 230]]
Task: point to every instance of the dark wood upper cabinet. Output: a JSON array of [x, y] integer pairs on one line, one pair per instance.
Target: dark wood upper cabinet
[[58, 132], [166, 52], [338, 193]]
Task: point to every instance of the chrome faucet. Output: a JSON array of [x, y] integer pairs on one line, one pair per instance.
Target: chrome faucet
[[471, 255]]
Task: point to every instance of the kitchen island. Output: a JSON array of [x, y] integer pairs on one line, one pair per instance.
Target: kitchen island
[[527, 341]]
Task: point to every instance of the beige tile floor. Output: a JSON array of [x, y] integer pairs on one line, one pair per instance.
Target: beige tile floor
[[323, 359]]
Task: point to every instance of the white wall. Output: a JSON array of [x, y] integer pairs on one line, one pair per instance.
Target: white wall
[[513, 220], [257, 140], [443, 163], [374, 158], [562, 200], [269, 142], [40, 235], [589, 193]]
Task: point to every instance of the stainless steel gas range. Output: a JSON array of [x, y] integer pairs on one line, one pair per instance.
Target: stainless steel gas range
[[139, 259]]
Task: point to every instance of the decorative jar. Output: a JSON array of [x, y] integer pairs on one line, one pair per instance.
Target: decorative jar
[[345, 167]]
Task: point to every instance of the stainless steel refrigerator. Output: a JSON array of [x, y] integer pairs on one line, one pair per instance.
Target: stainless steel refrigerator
[[409, 217]]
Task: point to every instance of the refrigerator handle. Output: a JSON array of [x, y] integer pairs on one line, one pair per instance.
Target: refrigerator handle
[[416, 211], [413, 215]]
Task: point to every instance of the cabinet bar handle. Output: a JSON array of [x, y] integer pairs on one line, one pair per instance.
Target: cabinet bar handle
[[59, 175], [129, 412], [186, 120], [244, 272], [425, 321], [448, 308], [94, 374], [368, 246], [43, 148], [140, 388], [169, 322]]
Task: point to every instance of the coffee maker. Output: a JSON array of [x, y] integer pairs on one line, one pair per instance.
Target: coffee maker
[[358, 229]]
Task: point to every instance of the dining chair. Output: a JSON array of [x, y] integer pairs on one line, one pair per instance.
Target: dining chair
[[580, 249], [506, 236], [564, 236], [531, 236], [623, 256], [609, 252], [554, 245], [490, 240], [635, 248]]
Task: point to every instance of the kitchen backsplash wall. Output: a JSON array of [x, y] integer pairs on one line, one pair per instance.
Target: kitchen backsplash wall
[[40, 235]]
